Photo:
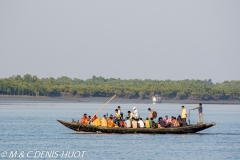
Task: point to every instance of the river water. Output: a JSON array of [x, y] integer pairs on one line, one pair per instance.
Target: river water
[[30, 131]]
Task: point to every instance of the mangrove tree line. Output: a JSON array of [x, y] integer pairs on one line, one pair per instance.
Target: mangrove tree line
[[132, 88]]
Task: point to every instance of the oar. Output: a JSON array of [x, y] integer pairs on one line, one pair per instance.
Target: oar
[[104, 105], [99, 109]]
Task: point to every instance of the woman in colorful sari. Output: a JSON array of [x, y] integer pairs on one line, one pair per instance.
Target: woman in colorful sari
[[110, 122], [84, 119], [94, 118], [97, 122], [104, 121]]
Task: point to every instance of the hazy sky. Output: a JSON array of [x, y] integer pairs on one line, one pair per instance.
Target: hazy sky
[[125, 39]]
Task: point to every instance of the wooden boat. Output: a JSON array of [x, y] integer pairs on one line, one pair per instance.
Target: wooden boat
[[76, 126]]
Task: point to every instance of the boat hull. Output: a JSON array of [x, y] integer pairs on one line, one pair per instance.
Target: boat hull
[[76, 126]]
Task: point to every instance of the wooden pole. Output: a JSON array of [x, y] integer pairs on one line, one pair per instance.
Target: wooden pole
[[104, 105]]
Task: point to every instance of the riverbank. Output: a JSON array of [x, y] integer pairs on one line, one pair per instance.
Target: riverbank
[[66, 99]]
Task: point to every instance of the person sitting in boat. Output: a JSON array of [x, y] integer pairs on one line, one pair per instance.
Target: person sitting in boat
[[121, 123], [94, 118], [167, 121], [84, 119], [117, 117], [127, 123], [140, 123], [151, 112], [134, 123], [161, 123], [179, 119], [89, 119], [135, 113], [147, 123], [96, 122], [130, 115], [110, 122], [104, 121], [177, 123], [174, 122], [152, 123]]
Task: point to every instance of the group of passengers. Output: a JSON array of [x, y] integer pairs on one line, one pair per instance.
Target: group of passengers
[[133, 120]]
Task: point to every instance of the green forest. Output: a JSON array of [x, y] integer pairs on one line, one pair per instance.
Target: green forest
[[132, 88]]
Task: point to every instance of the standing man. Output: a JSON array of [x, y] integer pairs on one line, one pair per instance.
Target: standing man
[[151, 113], [184, 116], [121, 113], [119, 109], [117, 117], [200, 112], [135, 112]]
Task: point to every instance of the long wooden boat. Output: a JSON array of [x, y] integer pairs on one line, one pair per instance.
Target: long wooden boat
[[76, 126]]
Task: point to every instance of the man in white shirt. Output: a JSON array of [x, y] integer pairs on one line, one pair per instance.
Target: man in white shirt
[[140, 123], [135, 113], [119, 111]]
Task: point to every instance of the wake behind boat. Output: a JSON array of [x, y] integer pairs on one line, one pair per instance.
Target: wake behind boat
[[79, 127]]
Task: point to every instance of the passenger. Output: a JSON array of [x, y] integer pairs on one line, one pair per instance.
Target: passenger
[[151, 113], [117, 117], [121, 123], [147, 123], [127, 123], [119, 110], [89, 119], [94, 118], [97, 122], [138, 126], [134, 123], [174, 122], [130, 115], [167, 121], [177, 124], [110, 122], [161, 123], [179, 119], [140, 123], [184, 116], [135, 113], [104, 121], [152, 123], [84, 119]]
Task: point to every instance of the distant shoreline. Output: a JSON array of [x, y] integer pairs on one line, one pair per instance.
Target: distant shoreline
[[67, 99]]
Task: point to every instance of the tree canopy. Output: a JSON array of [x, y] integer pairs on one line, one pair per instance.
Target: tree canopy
[[131, 88]]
